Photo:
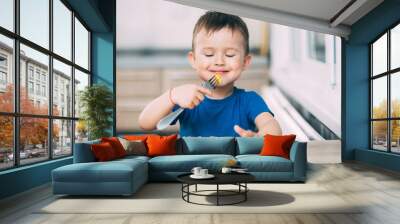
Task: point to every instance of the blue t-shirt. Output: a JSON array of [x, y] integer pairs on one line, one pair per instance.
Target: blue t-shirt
[[214, 117]]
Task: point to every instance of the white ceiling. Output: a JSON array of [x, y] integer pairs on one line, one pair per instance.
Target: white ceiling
[[315, 15]]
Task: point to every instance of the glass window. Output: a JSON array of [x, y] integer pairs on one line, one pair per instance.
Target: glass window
[[316, 46], [6, 75], [81, 45], [30, 87], [34, 80], [40, 62], [62, 29], [3, 60], [81, 81], [395, 95], [81, 131], [379, 56], [3, 78], [379, 135], [379, 97], [34, 21], [37, 89], [388, 81], [6, 142], [30, 72], [395, 47], [62, 137], [33, 140], [7, 14], [395, 135], [37, 75], [63, 72], [43, 90]]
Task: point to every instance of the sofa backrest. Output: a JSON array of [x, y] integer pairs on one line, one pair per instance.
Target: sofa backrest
[[249, 145], [206, 145], [192, 146], [83, 152]]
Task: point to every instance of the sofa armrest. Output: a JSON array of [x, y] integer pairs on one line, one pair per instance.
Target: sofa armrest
[[298, 155], [83, 152]]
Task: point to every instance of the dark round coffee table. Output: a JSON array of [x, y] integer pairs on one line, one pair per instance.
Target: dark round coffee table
[[238, 179]]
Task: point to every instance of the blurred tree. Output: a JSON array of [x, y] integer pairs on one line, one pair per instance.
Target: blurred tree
[[33, 130], [380, 127], [395, 123]]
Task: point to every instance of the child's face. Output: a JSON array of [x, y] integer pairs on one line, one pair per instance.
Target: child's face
[[222, 51]]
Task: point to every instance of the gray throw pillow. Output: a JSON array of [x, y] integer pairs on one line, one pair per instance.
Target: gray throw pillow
[[136, 148]]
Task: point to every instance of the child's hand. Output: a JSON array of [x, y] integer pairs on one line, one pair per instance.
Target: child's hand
[[244, 133], [189, 95]]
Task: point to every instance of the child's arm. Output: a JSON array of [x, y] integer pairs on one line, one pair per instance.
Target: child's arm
[[186, 96], [266, 124]]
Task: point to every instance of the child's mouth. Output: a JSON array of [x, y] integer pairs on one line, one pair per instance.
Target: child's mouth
[[219, 72]]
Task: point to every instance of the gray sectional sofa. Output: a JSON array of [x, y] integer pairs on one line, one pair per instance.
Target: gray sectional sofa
[[125, 176]]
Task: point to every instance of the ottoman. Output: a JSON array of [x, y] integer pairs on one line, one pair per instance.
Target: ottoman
[[118, 177]]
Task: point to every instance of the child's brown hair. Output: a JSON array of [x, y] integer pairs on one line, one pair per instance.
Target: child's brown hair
[[214, 21]]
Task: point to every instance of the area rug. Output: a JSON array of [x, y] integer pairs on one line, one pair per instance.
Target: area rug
[[167, 198]]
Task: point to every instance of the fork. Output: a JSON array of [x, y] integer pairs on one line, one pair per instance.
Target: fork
[[167, 120]]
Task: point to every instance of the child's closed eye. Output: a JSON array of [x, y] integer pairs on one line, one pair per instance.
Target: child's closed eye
[[208, 55], [230, 55]]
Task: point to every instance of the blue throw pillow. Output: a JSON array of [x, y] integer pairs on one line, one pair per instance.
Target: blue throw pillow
[[249, 145], [207, 145]]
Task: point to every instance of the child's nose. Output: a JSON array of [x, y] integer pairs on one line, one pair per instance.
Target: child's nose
[[219, 60]]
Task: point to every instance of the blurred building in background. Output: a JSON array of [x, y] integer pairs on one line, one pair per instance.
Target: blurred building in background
[[305, 68]]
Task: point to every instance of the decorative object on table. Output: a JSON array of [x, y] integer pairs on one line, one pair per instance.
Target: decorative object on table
[[237, 170], [228, 165], [196, 170], [200, 173], [232, 163], [96, 102]]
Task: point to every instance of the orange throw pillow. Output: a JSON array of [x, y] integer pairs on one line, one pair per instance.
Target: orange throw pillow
[[116, 145], [277, 145], [136, 137], [103, 151], [161, 145]]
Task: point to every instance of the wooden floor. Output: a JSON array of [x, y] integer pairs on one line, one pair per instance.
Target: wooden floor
[[377, 188]]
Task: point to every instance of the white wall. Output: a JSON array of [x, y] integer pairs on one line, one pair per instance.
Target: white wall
[[315, 85], [163, 24]]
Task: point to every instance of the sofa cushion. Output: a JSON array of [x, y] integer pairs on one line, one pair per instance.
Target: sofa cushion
[[185, 163], [257, 163], [206, 145], [249, 145], [131, 158], [111, 171]]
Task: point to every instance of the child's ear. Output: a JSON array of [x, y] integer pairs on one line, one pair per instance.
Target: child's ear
[[192, 59], [247, 61]]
